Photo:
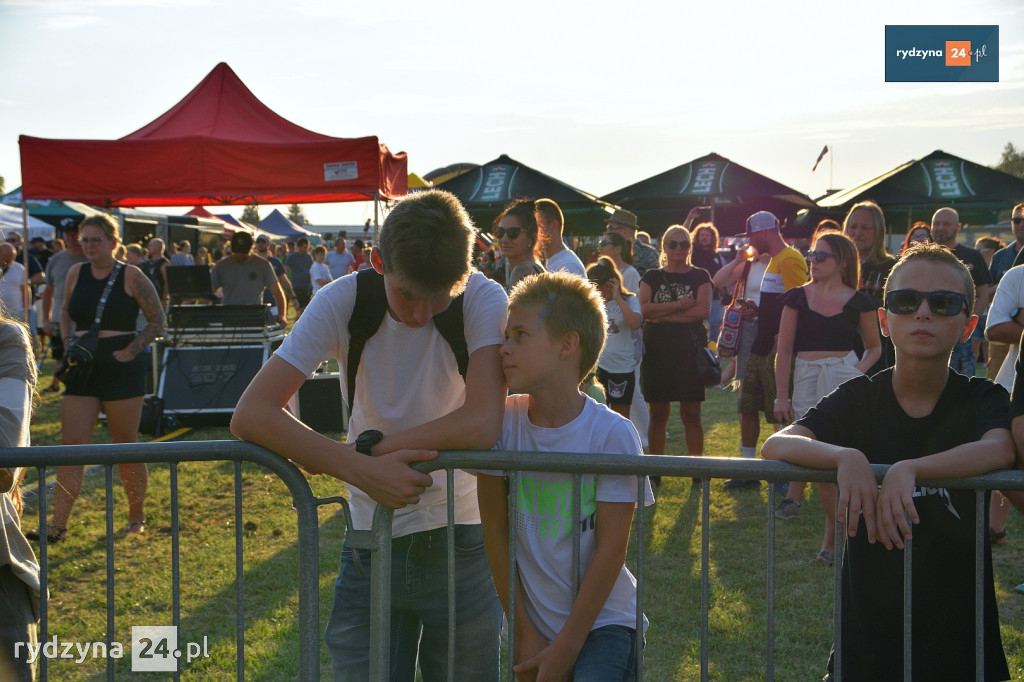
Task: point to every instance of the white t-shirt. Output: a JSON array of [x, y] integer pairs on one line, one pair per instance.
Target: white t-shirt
[[319, 271], [11, 283], [544, 515], [1009, 296], [406, 377], [566, 261], [754, 277], [618, 356], [630, 279]]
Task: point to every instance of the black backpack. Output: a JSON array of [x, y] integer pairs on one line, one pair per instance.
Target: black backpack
[[368, 314]]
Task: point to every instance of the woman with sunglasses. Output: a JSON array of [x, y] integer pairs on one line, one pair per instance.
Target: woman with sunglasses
[[520, 244], [675, 300], [821, 324], [620, 250], [118, 379]]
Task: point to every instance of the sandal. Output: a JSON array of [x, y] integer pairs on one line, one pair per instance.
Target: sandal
[[825, 557], [53, 534], [135, 528], [997, 537]]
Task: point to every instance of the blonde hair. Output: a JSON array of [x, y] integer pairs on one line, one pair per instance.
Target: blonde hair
[[934, 253], [104, 222], [663, 258], [878, 252], [567, 303]]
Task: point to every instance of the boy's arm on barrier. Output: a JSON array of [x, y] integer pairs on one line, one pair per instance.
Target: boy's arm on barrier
[[994, 450], [260, 417], [858, 490], [557, 660], [475, 425]]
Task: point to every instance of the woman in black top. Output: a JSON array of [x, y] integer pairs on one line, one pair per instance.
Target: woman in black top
[[118, 380], [822, 324], [675, 300]]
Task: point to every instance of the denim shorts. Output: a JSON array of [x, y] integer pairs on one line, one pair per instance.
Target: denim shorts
[[419, 610], [608, 655]]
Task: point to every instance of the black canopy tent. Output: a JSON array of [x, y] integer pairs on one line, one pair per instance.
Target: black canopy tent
[[484, 191], [733, 191], [914, 190]]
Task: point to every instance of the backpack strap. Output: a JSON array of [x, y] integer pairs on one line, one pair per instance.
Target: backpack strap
[[451, 323], [368, 313]]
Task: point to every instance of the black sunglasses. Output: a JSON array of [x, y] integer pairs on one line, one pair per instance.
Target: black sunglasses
[[673, 244], [907, 301], [1018, 221], [819, 256], [512, 232], [605, 242]]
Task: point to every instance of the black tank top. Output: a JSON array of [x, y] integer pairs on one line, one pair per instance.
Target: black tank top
[[839, 332], [121, 312]]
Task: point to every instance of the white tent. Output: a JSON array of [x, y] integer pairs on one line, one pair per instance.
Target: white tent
[[11, 221]]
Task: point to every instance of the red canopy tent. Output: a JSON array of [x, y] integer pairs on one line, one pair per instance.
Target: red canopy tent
[[218, 145]]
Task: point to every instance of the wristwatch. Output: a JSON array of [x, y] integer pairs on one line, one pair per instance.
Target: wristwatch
[[366, 440]]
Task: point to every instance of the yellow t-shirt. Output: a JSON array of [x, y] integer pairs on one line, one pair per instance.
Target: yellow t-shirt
[[786, 270]]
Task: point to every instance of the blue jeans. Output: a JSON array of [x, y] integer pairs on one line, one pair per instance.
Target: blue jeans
[[419, 610], [715, 319], [608, 655], [963, 359]]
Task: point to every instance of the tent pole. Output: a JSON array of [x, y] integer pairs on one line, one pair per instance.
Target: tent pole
[[24, 258], [376, 215]]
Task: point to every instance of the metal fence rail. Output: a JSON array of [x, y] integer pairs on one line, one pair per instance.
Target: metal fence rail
[[704, 468], [378, 538], [175, 453]]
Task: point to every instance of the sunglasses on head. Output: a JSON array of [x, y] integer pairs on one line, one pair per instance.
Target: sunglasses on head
[[512, 232], [907, 301], [819, 256], [673, 244]]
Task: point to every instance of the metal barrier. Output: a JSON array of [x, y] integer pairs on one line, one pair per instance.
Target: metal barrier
[[378, 538], [704, 468], [174, 453]]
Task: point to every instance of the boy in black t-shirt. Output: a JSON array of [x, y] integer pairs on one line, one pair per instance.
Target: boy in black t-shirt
[[928, 422]]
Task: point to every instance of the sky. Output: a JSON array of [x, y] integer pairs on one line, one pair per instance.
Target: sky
[[598, 94]]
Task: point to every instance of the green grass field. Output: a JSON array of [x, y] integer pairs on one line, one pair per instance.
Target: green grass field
[[737, 618]]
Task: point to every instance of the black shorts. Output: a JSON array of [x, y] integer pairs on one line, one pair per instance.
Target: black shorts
[[112, 379], [618, 388], [303, 295]]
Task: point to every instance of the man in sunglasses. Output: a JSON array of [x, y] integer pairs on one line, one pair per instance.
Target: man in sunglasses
[[758, 393], [927, 422], [624, 222], [1004, 258], [945, 226]]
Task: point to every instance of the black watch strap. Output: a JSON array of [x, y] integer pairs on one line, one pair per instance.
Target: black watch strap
[[366, 440]]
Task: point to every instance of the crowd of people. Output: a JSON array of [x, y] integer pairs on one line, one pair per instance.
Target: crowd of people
[[853, 355]]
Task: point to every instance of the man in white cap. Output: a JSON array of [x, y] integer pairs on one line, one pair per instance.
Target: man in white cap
[[786, 270], [624, 222]]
